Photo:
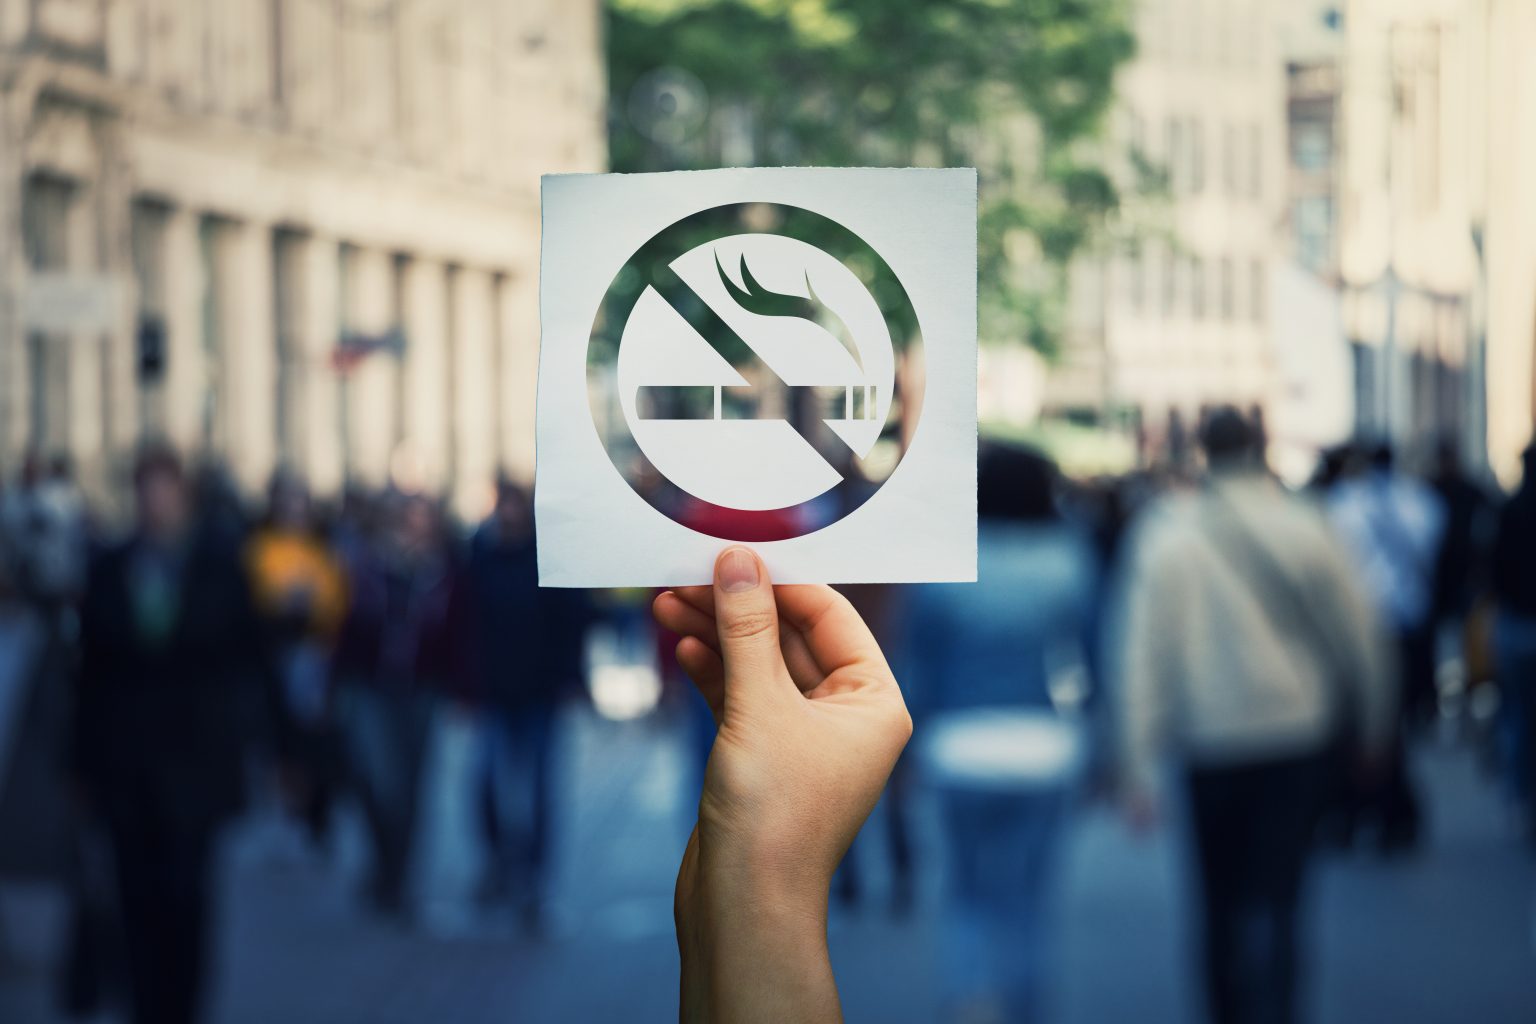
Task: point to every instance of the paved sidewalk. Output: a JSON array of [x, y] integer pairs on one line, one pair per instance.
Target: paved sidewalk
[[1445, 937]]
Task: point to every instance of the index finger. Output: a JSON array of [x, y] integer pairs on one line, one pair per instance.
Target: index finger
[[834, 632]]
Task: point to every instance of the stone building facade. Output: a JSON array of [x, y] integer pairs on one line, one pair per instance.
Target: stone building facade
[[206, 204], [1181, 320]]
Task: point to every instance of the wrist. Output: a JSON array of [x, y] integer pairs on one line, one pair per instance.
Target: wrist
[[748, 931]]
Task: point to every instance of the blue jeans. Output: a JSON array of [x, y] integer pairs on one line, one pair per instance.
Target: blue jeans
[[1514, 641], [518, 783], [385, 736], [1001, 849]]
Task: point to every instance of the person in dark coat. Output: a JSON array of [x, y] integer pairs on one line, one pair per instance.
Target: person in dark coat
[[169, 654], [530, 644], [403, 646], [1514, 596]]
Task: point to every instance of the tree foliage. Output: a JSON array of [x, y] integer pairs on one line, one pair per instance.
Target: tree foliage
[[1019, 88]]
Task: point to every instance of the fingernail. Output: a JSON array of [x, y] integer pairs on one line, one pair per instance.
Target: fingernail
[[736, 571]]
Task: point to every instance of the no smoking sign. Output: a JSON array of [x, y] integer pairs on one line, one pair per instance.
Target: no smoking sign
[[781, 357]]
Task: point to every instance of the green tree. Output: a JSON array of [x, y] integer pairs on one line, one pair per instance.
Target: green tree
[[1019, 88]]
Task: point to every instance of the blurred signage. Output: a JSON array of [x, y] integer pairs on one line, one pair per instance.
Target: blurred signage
[[352, 348], [69, 302]]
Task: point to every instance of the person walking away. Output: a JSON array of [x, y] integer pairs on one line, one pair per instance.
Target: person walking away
[[978, 674], [530, 644], [401, 645], [1514, 596], [51, 546], [1248, 651], [300, 593], [1461, 561], [169, 642], [1391, 526]]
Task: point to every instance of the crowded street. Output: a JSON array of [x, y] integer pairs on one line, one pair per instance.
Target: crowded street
[[293, 947]]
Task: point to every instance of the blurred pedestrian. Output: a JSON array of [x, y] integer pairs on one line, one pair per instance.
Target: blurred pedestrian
[[530, 645], [1461, 560], [301, 596], [169, 641], [1392, 525], [979, 676], [402, 646], [1514, 595], [48, 542], [1249, 649]]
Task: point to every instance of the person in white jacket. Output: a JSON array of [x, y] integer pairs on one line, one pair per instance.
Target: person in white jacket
[[1250, 653]]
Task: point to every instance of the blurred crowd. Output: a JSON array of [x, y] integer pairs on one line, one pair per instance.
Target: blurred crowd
[[1194, 634]]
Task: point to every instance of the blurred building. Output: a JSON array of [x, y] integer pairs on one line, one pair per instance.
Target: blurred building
[[1411, 184], [1504, 230], [284, 231], [1180, 319]]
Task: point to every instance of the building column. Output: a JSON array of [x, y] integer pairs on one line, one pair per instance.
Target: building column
[[426, 315], [82, 432], [519, 310], [316, 391], [474, 392], [371, 400], [121, 391], [186, 382], [249, 356], [13, 426]]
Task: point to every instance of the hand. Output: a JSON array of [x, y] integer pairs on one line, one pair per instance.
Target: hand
[[810, 725]]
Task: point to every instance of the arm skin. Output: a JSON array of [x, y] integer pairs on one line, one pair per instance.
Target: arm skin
[[811, 723]]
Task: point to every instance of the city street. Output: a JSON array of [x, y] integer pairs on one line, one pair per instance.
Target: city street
[[295, 948]]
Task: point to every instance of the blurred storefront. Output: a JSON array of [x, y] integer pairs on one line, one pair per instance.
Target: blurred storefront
[[297, 232]]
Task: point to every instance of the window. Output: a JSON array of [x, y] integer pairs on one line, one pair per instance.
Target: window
[[46, 207], [1196, 155], [1229, 159], [1197, 288], [1174, 154], [1255, 161], [1170, 282], [1135, 280], [1228, 302], [1311, 147], [1258, 290], [1312, 224]]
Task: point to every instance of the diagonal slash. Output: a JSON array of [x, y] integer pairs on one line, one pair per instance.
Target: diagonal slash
[[858, 402]]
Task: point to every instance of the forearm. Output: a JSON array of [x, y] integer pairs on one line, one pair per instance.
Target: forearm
[[752, 950]]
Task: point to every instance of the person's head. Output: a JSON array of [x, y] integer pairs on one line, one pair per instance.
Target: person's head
[[1014, 483], [1230, 440], [417, 528], [288, 506], [514, 511], [1447, 457], [161, 495], [31, 470], [1381, 457], [61, 469]]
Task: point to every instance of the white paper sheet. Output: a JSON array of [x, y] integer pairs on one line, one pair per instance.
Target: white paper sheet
[[732, 356]]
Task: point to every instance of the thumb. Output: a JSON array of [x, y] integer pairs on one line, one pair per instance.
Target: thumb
[[747, 619]]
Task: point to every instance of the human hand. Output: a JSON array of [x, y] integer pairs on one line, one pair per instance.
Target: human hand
[[811, 723]]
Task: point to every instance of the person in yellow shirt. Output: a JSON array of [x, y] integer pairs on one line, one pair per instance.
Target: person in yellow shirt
[[301, 595]]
